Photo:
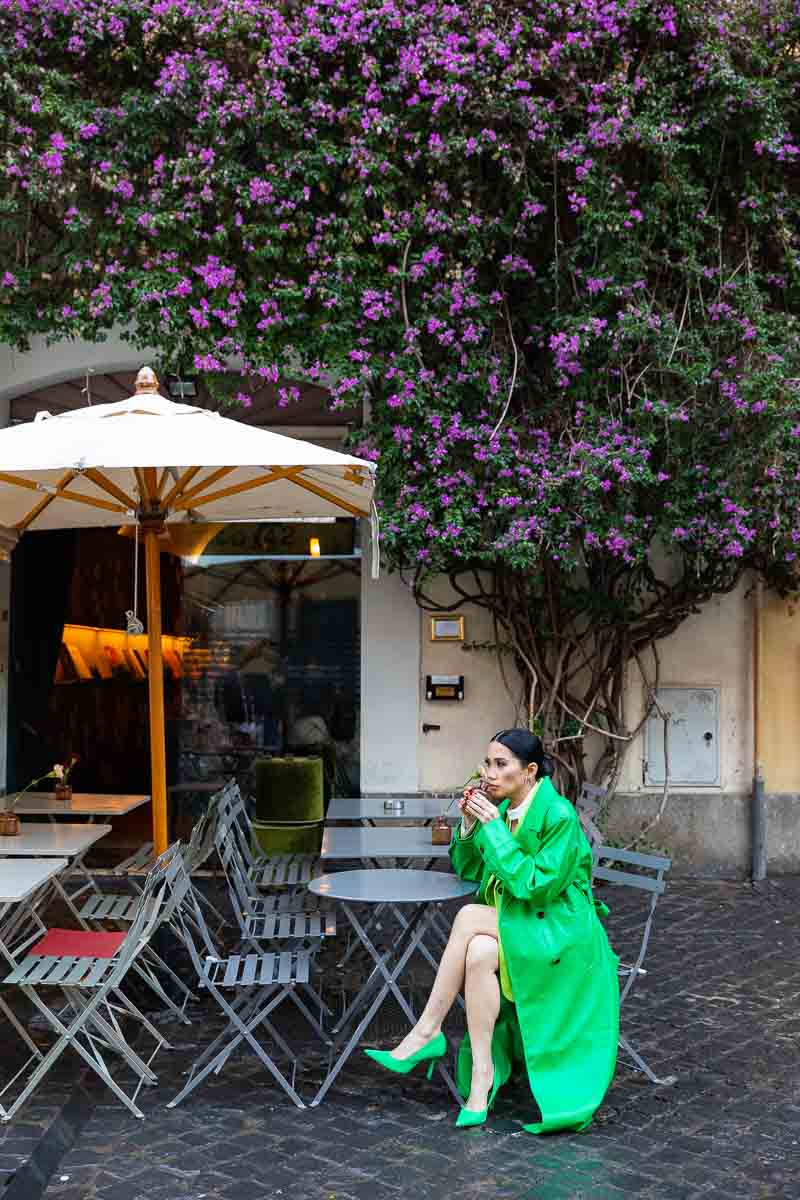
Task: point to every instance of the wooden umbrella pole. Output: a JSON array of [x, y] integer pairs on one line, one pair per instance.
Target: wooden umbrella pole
[[155, 675]]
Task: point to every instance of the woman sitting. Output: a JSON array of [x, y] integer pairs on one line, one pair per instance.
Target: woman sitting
[[539, 976]]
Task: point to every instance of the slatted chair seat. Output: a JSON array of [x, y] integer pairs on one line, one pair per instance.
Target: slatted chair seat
[[282, 902], [265, 871], [69, 970], [108, 907], [302, 926], [647, 877], [139, 863], [256, 970], [285, 870]]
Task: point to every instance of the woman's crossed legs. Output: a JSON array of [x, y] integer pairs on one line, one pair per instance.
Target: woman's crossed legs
[[470, 961]]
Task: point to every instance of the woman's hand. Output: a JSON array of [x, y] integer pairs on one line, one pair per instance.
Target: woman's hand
[[477, 807], [466, 820]]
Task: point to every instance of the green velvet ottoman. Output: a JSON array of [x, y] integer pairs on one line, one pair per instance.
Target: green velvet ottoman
[[289, 805]]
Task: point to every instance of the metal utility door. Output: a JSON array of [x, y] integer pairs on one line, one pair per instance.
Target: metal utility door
[[693, 737]]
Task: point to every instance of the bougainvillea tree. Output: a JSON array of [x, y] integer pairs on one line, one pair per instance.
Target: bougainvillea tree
[[555, 246]]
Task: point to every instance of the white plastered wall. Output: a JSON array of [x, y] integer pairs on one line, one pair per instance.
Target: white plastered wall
[[390, 669], [44, 365], [449, 755]]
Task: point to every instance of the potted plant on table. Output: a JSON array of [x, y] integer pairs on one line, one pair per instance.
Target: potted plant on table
[[61, 773], [440, 829], [9, 818]]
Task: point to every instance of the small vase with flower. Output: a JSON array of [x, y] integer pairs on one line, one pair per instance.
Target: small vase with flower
[[441, 831], [62, 790]]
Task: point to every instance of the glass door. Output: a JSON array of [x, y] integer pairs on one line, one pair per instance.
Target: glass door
[[271, 653]]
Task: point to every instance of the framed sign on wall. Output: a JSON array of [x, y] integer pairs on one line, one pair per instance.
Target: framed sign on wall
[[447, 628]]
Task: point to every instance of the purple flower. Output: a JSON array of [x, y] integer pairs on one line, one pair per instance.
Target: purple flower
[[261, 191], [53, 162], [206, 362]]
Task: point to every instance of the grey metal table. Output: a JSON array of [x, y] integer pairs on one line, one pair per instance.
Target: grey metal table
[[401, 844], [82, 804], [419, 893], [371, 810], [58, 840], [41, 841], [399, 841], [22, 881]]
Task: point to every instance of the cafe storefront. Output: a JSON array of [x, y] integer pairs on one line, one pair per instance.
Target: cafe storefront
[[271, 648], [261, 649]]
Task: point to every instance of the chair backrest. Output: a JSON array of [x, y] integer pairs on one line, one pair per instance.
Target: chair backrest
[[195, 934], [588, 806], [227, 843], [231, 810], [155, 904], [647, 877], [201, 840]]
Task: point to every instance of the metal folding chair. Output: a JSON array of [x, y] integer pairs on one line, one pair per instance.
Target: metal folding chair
[[118, 910], [302, 923], [265, 871], [260, 915], [647, 877], [89, 969], [136, 867], [259, 983], [590, 801]]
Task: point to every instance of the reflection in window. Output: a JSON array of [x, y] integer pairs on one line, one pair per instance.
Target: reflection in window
[[272, 663]]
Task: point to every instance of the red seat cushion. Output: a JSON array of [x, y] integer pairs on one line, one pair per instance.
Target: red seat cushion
[[78, 943]]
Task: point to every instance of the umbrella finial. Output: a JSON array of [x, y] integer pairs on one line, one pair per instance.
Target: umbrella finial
[[146, 381]]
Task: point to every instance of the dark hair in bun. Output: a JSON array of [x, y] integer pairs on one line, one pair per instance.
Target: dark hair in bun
[[527, 747]]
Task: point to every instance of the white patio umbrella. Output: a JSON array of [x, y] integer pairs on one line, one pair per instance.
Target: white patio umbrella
[[151, 462]]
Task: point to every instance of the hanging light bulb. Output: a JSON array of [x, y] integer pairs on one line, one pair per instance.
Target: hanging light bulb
[[313, 547]]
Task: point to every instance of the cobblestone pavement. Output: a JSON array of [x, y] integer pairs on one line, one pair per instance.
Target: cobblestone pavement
[[720, 1008]]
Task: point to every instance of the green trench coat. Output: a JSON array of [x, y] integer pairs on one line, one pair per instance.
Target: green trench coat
[[563, 1025]]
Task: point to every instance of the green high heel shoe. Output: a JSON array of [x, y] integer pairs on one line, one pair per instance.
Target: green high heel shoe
[[431, 1052], [468, 1117]]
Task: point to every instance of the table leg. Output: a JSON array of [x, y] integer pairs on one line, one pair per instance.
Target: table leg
[[363, 939], [410, 936], [68, 900], [409, 941], [76, 867], [5, 952], [429, 917], [372, 977], [423, 949]]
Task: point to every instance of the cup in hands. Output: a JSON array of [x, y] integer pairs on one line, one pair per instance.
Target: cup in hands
[[469, 817]]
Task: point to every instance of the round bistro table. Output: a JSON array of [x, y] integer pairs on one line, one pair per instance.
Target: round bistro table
[[412, 899]]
